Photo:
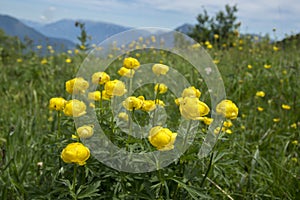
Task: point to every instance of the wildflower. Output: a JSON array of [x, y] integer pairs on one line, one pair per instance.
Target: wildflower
[[75, 108], [249, 66], [100, 78], [44, 61], [294, 159], [216, 36], [159, 102], [123, 116], [131, 63], [207, 120], [75, 153], [76, 86], [68, 60], [178, 100], [294, 125], [228, 131], [160, 88], [192, 108], [69, 51], [216, 61], [218, 130], [115, 87], [19, 60], [276, 120], [85, 131], [209, 46], [227, 124], [132, 103], [123, 71], [162, 138], [260, 94], [275, 48], [94, 96], [148, 105], [267, 66], [57, 103], [228, 109], [260, 109], [160, 69], [285, 107], [39, 46], [295, 142], [191, 92]]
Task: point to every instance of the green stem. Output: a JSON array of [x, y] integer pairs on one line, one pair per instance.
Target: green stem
[[58, 124], [74, 183], [208, 169]]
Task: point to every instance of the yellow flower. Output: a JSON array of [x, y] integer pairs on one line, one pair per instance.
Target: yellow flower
[[123, 71], [285, 107], [19, 60], [295, 142], [178, 100], [216, 36], [228, 131], [260, 109], [44, 61], [68, 60], [209, 46], [148, 105], [100, 78], [227, 124], [75, 153], [267, 66], [228, 109], [39, 46], [57, 103], [294, 159], [275, 48], [260, 94], [115, 87], [76, 86], [249, 66], [276, 120], [131, 63], [294, 125], [75, 108], [162, 138], [85, 131], [160, 69], [159, 102], [218, 130], [132, 103], [207, 120], [191, 92], [193, 108], [94, 96], [123, 115], [161, 88]]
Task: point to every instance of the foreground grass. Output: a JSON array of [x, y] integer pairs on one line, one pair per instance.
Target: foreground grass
[[259, 160]]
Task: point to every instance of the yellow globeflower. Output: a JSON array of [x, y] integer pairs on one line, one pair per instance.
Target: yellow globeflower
[[260, 94], [76, 86], [267, 66], [85, 131], [160, 69], [57, 103], [123, 71], [285, 107], [132, 103], [207, 120], [160, 88], [162, 138], [260, 109], [276, 120], [100, 78], [228, 109], [191, 92], [148, 105], [178, 100], [94, 96], [193, 108], [115, 87], [159, 102], [227, 124], [75, 153], [131, 63], [75, 108], [123, 116]]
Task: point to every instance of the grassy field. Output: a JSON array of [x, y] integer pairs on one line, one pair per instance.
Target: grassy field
[[257, 159]]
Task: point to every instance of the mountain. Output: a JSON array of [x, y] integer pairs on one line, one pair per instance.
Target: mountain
[[66, 29], [185, 28], [13, 27]]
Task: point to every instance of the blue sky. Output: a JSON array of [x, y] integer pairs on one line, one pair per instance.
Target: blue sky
[[257, 16]]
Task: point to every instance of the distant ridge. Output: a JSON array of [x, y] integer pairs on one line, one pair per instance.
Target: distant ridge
[[13, 27]]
